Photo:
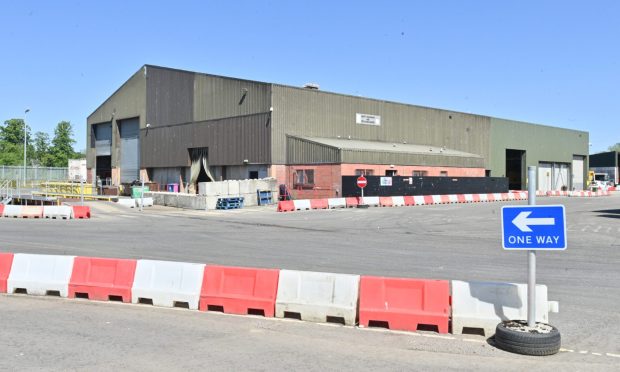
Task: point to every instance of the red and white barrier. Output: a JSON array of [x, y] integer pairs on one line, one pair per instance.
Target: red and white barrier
[[398, 201], [399, 303], [48, 211]]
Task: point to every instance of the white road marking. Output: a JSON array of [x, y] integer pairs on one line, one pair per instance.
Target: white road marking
[[567, 350], [613, 355], [472, 340], [597, 354], [583, 352], [598, 228]]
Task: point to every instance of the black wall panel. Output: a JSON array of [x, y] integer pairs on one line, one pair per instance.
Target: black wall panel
[[425, 186]]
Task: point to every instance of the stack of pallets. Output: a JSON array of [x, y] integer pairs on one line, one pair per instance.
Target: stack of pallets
[[229, 203]]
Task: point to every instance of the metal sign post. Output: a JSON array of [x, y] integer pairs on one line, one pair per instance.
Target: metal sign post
[[531, 254], [142, 196], [533, 227], [81, 191]]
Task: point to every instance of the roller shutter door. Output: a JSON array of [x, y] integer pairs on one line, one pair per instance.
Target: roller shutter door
[[130, 150]]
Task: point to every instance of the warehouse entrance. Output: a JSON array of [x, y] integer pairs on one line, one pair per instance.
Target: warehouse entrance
[[514, 168]]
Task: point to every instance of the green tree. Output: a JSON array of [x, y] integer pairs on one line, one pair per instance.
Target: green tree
[[62, 145], [42, 154], [615, 147], [12, 143]]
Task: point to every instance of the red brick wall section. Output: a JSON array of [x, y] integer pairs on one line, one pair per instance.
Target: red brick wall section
[[328, 181]]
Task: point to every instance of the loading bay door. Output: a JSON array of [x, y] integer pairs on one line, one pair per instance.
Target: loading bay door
[[130, 150]]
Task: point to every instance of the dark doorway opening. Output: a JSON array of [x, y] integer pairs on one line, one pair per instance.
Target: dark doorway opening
[[104, 168], [253, 175], [202, 176], [514, 168]]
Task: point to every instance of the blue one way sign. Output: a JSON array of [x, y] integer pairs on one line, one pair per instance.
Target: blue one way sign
[[534, 227]]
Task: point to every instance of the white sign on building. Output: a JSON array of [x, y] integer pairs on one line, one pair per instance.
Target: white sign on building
[[367, 119]]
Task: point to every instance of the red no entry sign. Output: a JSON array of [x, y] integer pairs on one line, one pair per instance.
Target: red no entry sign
[[361, 182]]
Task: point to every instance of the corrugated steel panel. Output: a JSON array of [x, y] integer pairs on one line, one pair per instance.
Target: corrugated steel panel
[[102, 136], [169, 96], [130, 149], [299, 151], [230, 141], [322, 114], [129, 101], [378, 157], [217, 97], [541, 144]]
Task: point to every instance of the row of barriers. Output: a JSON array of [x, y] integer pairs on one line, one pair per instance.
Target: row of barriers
[[60, 212], [400, 201], [395, 303]]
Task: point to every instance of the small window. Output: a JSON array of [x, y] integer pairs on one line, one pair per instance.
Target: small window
[[420, 173], [304, 178], [253, 175], [364, 172], [443, 174], [391, 172]]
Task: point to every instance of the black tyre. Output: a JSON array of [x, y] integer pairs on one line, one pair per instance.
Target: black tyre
[[511, 336]]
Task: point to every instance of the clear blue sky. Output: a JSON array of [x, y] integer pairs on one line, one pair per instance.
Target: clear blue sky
[[547, 62]]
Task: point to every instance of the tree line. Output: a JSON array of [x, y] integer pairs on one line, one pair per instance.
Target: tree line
[[40, 150]]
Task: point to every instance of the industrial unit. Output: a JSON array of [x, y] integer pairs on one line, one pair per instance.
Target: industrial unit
[[172, 126], [608, 163]]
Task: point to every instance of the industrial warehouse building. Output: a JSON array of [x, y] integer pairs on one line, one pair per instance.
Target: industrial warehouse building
[[171, 126]]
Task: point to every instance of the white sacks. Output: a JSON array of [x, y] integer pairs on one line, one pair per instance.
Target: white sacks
[[167, 284], [125, 202], [57, 211], [485, 304], [316, 296], [40, 274]]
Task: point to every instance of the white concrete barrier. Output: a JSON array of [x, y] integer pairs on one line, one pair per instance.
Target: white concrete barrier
[[12, 211], [302, 204], [40, 274], [167, 284], [371, 200], [482, 305], [318, 297], [125, 202], [337, 202], [57, 211], [436, 199], [469, 198], [419, 200], [398, 201], [146, 202], [453, 198]]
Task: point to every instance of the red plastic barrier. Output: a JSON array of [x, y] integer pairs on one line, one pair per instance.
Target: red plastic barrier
[[80, 211], [404, 303], [319, 204], [352, 201], [386, 201], [32, 211], [461, 198], [286, 206], [102, 279], [428, 200], [445, 199], [239, 290], [1, 209], [6, 260], [476, 198], [409, 201]]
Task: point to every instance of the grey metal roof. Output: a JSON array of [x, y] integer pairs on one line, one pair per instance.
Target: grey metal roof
[[393, 147]]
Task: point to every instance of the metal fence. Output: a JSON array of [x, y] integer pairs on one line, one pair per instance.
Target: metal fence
[[10, 172]]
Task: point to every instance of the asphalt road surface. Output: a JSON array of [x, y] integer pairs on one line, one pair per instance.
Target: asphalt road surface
[[460, 241]]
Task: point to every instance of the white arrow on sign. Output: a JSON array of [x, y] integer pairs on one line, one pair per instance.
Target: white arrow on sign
[[523, 223]]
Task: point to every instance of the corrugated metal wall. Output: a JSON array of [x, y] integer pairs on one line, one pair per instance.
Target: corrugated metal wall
[[367, 157], [299, 151], [128, 101], [230, 142], [169, 96], [322, 114], [541, 144], [217, 97]]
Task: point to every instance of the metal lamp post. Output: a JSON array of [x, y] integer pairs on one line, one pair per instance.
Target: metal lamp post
[[25, 112]]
